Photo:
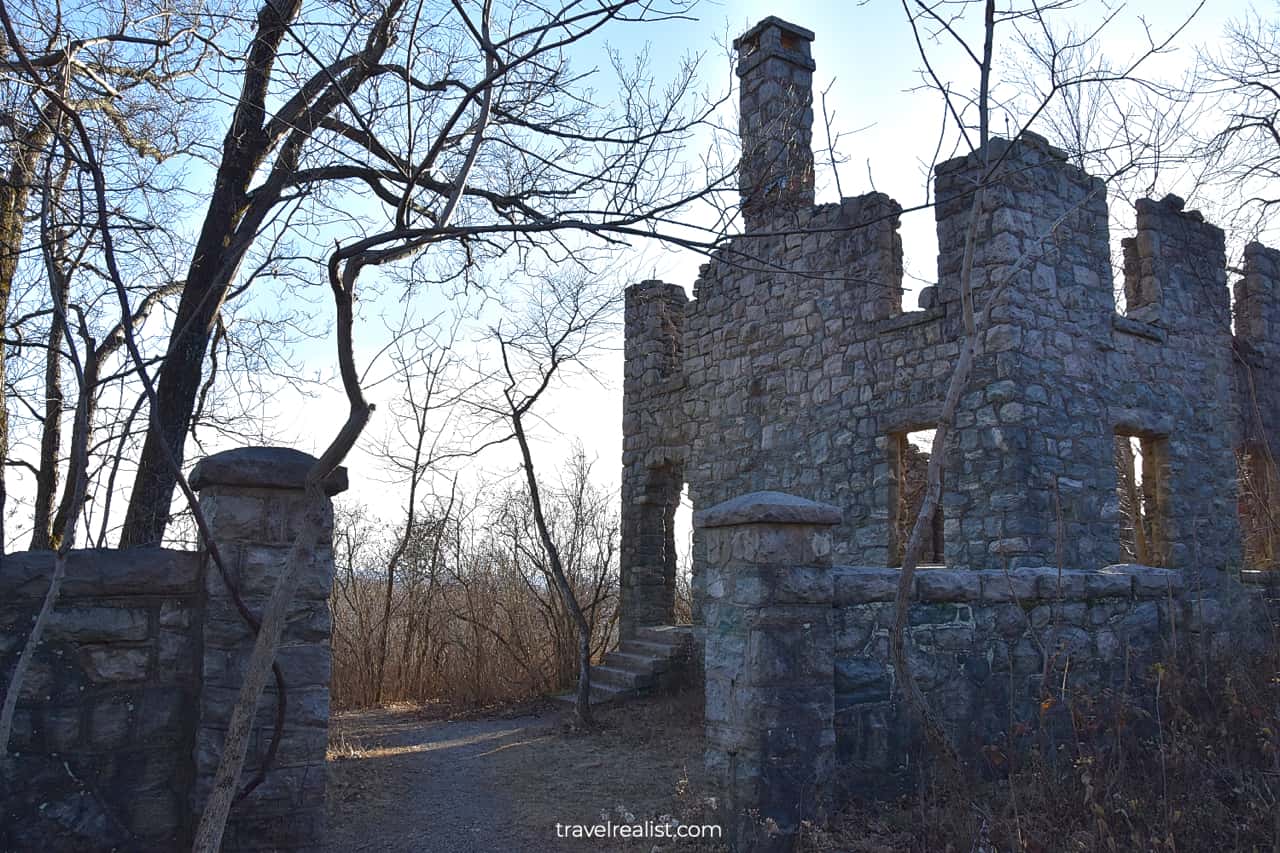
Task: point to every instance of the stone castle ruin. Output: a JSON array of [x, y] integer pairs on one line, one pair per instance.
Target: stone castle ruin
[[795, 367], [783, 394]]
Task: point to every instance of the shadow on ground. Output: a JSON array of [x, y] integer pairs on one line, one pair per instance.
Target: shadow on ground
[[401, 782]]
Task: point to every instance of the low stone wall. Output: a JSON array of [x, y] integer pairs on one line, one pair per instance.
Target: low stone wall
[[123, 714], [801, 695], [103, 733], [981, 645]]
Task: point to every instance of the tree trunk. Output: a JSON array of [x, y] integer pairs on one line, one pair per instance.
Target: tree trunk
[[180, 372], [582, 703], [15, 190], [51, 433], [217, 257]]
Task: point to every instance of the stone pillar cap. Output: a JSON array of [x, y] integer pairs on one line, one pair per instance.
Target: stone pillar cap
[[767, 508], [262, 468], [774, 22], [774, 37]]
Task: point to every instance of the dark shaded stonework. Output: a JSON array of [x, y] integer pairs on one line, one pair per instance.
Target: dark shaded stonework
[[122, 715]]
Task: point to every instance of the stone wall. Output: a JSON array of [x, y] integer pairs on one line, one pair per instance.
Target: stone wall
[[120, 724], [1169, 378], [987, 648], [794, 367], [1257, 350], [802, 694], [103, 733]]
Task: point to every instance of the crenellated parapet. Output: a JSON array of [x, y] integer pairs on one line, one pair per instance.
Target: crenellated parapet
[[795, 368], [1175, 270]]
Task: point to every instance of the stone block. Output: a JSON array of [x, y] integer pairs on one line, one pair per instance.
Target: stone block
[[156, 815], [938, 585], [235, 517], [110, 722], [779, 545], [97, 623], [262, 566], [303, 665], [854, 585], [859, 680], [164, 714], [260, 468], [1153, 583], [1105, 584], [109, 663], [1016, 585], [60, 727], [307, 706], [795, 654]]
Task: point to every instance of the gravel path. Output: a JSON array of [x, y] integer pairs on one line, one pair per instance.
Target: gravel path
[[401, 782], [429, 786]]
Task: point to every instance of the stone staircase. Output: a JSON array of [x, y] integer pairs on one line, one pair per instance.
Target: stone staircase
[[655, 658]]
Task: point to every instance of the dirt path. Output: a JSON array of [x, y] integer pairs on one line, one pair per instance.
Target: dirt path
[[398, 782]]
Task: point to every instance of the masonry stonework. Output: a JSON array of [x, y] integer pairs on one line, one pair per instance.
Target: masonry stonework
[[770, 664], [103, 739], [254, 501], [122, 715], [794, 366]]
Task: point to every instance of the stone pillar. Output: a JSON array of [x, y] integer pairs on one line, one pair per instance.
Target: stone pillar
[[254, 502], [1257, 351], [652, 454], [770, 664], [775, 120]]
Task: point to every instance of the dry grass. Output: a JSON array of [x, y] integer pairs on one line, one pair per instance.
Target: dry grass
[[1199, 771]]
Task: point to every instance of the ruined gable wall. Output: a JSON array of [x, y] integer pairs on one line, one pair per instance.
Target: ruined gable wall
[[774, 343], [797, 381], [1170, 376], [1257, 351], [797, 365]]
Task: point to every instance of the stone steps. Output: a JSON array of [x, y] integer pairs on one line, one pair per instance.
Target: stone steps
[[651, 660]]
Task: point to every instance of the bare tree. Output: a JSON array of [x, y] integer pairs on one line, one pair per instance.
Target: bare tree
[[119, 72], [474, 133], [972, 114], [568, 316], [1242, 154]]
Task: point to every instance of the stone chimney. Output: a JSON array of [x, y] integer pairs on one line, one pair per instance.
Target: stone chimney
[[775, 120]]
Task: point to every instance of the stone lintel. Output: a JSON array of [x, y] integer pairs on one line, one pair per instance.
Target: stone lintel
[[767, 508], [262, 468]]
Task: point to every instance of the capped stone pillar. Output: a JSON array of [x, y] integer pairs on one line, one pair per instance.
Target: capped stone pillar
[[254, 502], [770, 664], [775, 120]]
